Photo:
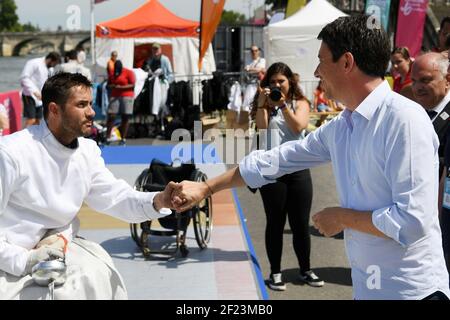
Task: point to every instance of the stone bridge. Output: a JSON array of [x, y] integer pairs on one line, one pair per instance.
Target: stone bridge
[[23, 43]]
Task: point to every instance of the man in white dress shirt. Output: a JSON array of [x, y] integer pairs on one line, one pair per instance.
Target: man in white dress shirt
[[384, 153], [73, 65], [46, 173], [32, 79]]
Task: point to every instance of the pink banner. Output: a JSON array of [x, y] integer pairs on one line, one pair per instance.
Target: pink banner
[[13, 104], [411, 20]]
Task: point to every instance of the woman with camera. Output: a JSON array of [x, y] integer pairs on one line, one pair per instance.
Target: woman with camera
[[280, 108]]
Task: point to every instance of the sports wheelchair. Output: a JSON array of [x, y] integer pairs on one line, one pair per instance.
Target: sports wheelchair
[[155, 178]]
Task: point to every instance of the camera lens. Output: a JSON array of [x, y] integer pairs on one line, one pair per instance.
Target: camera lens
[[275, 94]]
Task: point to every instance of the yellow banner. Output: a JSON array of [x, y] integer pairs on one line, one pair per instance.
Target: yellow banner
[[209, 19], [293, 6]]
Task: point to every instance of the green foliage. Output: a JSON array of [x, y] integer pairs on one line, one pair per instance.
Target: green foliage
[[28, 27], [232, 18], [9, 20]]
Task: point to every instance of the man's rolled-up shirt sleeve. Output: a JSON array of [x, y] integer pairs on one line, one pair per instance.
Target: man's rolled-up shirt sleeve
[[412, 172], [263, 167]]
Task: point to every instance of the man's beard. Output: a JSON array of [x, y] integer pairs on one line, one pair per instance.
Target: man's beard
[[77, 131]]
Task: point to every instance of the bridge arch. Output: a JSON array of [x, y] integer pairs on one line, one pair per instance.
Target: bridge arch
[[83, 42], [19, 46], [46, 46], [33, 44]]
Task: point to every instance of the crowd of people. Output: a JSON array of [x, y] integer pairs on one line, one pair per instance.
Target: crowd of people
[[389, 147]]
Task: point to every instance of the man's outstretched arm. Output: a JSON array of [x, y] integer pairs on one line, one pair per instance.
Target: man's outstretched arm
[[187, 193]]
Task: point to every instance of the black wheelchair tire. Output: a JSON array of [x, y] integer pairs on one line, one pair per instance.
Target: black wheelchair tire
[[202, 215], [135, 228]]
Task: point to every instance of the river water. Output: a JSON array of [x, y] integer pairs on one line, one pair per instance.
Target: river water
[[10, 69]]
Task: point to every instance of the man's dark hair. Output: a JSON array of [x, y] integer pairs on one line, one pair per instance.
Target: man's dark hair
[[443, 22], [72, 54], [447, 43], [57, 88], [53, 56], [118, 67], [370, 47]]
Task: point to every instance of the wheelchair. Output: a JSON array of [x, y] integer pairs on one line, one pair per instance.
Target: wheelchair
[[155, 178]]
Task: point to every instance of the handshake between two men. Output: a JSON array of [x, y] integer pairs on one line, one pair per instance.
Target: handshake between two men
[[329, 221], [182, 196]]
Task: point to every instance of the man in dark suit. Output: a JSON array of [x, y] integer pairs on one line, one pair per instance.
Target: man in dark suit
[[431, 88]]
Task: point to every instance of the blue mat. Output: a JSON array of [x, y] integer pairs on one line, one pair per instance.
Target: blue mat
[[200, 153]]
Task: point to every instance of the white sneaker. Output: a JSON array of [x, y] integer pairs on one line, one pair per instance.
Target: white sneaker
[[276, 283], [309, 277]]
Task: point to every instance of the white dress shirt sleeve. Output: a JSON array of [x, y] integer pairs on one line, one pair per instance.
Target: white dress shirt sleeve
[[412, 172], [263, 167], [29, 87], [117, 198], [12, 257]]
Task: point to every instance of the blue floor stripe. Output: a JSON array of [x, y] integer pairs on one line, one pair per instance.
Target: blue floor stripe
[[260, 278], [199, 152]]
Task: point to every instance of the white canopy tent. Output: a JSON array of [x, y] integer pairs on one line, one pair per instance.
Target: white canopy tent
[[185, 53], [294, 40], [150, 23]]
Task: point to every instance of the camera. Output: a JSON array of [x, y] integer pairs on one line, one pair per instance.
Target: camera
[[275, 94]]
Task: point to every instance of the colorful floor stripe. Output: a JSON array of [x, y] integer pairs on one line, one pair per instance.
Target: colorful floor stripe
[[228, 269]]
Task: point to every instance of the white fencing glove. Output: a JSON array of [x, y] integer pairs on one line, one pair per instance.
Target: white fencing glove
[[43, 253], [55, 241]]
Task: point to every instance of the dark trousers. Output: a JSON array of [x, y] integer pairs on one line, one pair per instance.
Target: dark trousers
[[438, 295], [445, 228], [290, 196]]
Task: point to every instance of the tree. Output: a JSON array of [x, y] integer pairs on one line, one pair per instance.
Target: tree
[[9, 20], [28, 27], [232, 18], [277, 4]]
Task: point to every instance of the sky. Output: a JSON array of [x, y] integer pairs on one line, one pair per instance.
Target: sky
[[49, 14]]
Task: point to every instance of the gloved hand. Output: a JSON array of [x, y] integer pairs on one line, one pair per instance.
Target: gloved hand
[[43, 253], [53, 241]]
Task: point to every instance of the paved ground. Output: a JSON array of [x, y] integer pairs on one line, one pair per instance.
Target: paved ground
[[327, 255]]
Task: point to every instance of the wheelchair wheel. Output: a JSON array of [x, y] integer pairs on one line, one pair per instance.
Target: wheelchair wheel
[[202, 216], [135, 228]]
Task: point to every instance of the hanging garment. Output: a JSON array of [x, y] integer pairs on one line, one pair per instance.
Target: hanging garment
[[235, 97]]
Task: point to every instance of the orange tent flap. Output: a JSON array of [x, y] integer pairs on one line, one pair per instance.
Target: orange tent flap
[[210, 18], [150, 20]]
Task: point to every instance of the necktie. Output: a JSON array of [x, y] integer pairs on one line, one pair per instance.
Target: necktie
[[431, 113]]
